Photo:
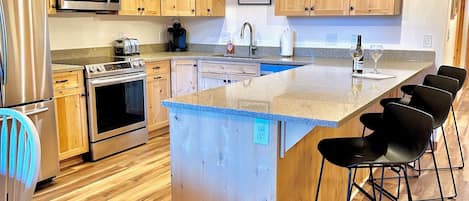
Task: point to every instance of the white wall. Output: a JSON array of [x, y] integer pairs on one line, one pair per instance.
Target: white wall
[[78, 30], [419, 17]]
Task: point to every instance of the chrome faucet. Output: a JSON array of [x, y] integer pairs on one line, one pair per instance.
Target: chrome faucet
[[252, 47]]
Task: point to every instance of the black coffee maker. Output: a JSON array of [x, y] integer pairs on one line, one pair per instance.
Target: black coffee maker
[[177, 38]]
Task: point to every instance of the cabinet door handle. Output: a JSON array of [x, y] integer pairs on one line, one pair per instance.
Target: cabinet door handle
[[83, 95], [156, 68], [312, 8], [306, 9], [157, 77], [143, 9], [193, 10], [52, 6], [208, 10], [352, 8], [61, 81]]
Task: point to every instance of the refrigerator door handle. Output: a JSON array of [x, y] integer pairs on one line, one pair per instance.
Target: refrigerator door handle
[[36, 111], [31, 113]]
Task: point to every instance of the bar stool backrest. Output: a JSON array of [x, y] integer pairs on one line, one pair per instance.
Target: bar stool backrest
[[408, 130], [442, 82], [434, 101], [454, 72]]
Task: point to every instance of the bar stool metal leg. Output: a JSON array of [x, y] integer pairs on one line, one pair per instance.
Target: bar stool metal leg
[[436, 171], [449, 162], [459, 140], [320, 178], [349, 184], [409, 193]]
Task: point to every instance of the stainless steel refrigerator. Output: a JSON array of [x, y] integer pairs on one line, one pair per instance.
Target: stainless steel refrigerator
[[26, 73]]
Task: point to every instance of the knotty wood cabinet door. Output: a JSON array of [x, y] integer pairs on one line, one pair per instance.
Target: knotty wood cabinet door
[[178, 7], [70, 103], [158, 89], [151, 7], [51, 7], [183, 77], [292, 7], [130, 7], [329, 7], [375, 7], [210, 7]]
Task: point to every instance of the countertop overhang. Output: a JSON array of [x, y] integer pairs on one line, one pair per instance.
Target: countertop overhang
[[319, 94]]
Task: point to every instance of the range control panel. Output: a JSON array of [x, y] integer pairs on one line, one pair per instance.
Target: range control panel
[[131, 65]]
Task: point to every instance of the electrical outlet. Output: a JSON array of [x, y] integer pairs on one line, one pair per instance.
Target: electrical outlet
[[427, 41]]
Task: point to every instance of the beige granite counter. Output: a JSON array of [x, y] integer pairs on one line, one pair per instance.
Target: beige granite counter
[[57, 68], [323, 93]]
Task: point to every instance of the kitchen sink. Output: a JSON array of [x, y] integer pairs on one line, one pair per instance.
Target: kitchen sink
[[238, 56]]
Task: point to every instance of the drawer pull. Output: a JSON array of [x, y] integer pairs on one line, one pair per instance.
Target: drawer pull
[[156, 68], [61, 81], [157, 77]]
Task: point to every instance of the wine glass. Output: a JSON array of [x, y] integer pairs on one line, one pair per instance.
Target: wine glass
[[353, 53], [376, 53]]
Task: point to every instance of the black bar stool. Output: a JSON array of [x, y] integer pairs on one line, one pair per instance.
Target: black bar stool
[[402, 139], [460, 75], [436, 102]]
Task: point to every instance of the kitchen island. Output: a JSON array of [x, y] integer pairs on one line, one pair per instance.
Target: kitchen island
[[257, 139]]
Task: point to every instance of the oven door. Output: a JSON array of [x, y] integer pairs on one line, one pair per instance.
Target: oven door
[[111, 5], [116, 105]]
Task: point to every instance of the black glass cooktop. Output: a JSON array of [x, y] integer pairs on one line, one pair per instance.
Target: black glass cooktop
[[90, 60]]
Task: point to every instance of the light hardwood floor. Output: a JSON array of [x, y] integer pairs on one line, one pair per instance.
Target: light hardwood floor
[[143, 173]]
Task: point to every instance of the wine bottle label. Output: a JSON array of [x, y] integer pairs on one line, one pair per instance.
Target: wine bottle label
[[359, 65]]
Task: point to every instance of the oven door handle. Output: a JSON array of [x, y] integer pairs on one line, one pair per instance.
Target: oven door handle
[[117, 80]]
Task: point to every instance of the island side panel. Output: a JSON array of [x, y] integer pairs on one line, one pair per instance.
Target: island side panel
[[298, 172], [214, 158]]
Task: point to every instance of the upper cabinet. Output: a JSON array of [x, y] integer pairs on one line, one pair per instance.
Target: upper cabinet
[[178, 7], [337, 7], [210, 7], [140, 7], [51, 6], [375, 7]]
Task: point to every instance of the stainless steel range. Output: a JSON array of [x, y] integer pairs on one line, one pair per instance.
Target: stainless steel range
[[116, 95]]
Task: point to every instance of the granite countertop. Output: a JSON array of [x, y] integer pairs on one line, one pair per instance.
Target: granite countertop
[[57, 68], [321, 94]]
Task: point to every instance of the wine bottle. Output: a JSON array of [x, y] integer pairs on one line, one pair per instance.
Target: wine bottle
[[358, 54]]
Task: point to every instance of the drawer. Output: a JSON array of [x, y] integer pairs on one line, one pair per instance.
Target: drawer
[[229, 67], [68, 80], [68, 92], [157, 67]]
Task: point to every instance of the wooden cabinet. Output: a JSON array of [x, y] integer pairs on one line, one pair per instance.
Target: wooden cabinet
[[178, 7], [158, 89], [214, 74], [183, 77], [70, 103], [329, 7], [337, 7], [51, 6], [210, 7], [140, 7], [375, 7]]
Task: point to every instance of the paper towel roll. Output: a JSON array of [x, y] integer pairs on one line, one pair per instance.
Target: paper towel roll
[[286, 43]]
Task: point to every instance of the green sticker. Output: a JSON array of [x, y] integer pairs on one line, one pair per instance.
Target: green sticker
[[261, 131]]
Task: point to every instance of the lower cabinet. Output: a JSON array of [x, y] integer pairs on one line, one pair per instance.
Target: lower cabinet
[[158, 89], [183, 77], [70, 102]]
